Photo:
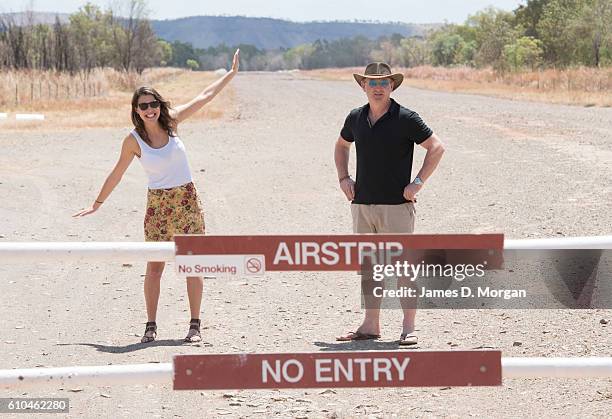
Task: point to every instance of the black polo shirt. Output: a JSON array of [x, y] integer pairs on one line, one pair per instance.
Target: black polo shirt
[[384, 152]]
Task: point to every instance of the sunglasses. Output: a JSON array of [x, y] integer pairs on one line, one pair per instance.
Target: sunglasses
[[145, 106], [381, 83]]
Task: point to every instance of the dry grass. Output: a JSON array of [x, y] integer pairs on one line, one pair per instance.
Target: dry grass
[[580, 86], [28, 89], [110, 107], [332, 73]]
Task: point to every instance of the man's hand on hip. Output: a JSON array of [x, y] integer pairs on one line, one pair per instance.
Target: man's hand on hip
[[411, 190], [348, 187]]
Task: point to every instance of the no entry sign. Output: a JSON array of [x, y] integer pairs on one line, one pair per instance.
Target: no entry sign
[[337, 369]]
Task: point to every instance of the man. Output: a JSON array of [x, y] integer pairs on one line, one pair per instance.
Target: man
[[383, 196]]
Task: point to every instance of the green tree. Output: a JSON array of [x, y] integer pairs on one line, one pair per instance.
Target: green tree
[[320, 57], [147, 52], [557, 31], [529, 15], [130, 32], [89, 27], [297, 57], [413, 52], [38, 55], [467, 53], [181, 52], [594, 28], [525, 52], [386, 52], [62, 41], [493, 30], [192, 64], [165, 50], [446, 48]]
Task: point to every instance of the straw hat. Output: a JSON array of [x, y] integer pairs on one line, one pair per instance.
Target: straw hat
[[379, 71]]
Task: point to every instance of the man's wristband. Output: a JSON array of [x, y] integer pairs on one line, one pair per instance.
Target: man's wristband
[[344, 177]]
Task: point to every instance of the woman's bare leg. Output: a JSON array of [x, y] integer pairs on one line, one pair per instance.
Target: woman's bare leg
[[151, 288], [195, 285]]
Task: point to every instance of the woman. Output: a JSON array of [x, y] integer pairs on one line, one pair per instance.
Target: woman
[[173, 205]]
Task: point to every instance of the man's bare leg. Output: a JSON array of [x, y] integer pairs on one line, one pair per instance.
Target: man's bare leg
[[370, 327], [409, 309]]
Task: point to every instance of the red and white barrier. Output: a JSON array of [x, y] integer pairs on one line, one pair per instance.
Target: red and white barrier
[[165, 251], [194, 372], [246, 369]]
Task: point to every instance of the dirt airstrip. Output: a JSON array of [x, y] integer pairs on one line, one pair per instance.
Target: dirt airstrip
[[529, 170]]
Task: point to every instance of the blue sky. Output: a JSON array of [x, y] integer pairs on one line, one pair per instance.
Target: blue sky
[[414, 11]]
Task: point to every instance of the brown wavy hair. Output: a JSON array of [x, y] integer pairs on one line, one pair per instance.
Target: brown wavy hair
[[167, 122]]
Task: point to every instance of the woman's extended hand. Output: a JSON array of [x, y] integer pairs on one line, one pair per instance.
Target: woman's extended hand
[[88, 211], [236, 61], [185, 111]]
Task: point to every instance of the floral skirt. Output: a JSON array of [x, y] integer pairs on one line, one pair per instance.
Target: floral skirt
[[173, 211]]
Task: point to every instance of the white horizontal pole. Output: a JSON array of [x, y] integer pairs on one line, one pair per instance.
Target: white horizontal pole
[[105, 375], [557, 367], [90, 251], [164, 251], [3, 115], [29, 117], [109, 375], [592, 242]]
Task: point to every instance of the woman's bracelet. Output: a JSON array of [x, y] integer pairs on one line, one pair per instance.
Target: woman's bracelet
[[344, 177], [99, 202]]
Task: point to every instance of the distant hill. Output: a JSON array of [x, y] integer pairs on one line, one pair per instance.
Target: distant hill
[[264, 33], [267, 33], [36, 18]]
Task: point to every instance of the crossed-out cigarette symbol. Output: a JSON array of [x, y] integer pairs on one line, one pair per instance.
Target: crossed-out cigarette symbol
[[253, 265]]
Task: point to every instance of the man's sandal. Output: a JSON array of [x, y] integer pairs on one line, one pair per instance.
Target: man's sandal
[[150, 333], [357, 336], [194, 334], [407, 339]]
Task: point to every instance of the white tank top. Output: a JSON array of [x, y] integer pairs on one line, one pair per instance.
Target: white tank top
[[167, 167]]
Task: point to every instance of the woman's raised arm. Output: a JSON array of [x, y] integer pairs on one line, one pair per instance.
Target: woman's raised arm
[[185, 111]]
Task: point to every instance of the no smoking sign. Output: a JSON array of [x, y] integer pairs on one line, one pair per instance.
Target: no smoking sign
[[220, 265], [254, 265]]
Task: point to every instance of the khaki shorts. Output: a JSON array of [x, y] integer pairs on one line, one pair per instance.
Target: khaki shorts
[[173, 211], [383, 218]]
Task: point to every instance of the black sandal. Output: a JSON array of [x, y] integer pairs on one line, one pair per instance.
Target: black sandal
[[150, 333], [194, 334]]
